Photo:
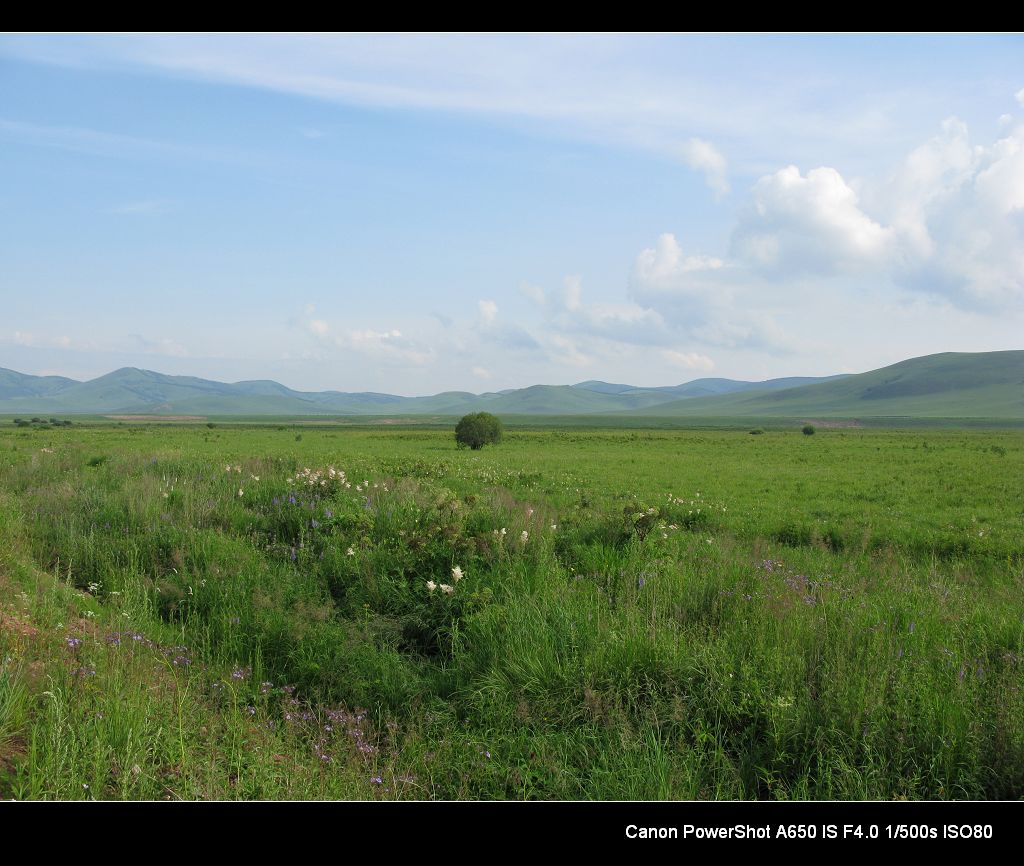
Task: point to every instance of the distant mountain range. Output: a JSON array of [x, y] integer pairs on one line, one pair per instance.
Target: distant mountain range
[[951, 385]]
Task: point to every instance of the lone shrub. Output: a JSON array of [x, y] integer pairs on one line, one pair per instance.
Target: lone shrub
[[808, 429], [478, 429]]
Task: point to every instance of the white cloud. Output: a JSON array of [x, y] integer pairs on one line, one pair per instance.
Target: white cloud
[[154, 346], [947, 222], [481, 372], [688, 360], [488, 311], [565, 351], [663, 264], [534, 293], [108, 144], [59, 341], [388, 345], [701, 298], [704, 157], [813, 224], [618, 322], [1020, 97], [573, 293]]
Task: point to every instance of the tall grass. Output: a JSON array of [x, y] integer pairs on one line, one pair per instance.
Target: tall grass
[[573, 615]]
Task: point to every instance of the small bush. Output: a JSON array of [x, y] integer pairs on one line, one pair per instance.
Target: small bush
[[808, 429], [757, 431], [478, 429]]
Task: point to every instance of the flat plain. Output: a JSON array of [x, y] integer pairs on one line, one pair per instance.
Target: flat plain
[[286, 611]]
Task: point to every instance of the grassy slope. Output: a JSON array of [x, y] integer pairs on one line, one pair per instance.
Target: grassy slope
[[988, 385]]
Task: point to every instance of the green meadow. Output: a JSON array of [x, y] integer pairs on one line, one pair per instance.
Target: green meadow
[[284, 611]]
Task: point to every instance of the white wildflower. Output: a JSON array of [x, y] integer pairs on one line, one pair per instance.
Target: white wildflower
[[524, 536], [350, 552], [448, 590], [241, 492], [431, 585], [457, 574]]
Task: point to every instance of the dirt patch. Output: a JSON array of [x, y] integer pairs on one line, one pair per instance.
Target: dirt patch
[[12, 624]]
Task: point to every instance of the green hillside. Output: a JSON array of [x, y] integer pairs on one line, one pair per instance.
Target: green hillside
[[947, 385]]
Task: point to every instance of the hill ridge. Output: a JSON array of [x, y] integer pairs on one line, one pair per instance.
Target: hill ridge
[[945, 384]]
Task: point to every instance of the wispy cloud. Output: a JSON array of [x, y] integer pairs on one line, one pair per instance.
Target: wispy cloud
[[116, 145], [140, 208], [667, 96], [704, 157]]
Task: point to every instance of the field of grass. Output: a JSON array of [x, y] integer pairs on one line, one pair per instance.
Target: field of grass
[[245, 612]]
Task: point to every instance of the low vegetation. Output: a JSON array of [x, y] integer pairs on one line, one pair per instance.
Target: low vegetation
[[242, 613]]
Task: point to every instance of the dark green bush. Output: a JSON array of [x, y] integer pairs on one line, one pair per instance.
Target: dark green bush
[[478, 429]]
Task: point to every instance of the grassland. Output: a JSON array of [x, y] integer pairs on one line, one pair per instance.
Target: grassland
[[187, 612]]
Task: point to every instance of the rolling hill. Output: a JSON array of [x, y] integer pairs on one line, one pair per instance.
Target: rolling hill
[[948, 385]]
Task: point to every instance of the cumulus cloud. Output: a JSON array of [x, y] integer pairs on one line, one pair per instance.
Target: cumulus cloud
[[663, 264], [704, 157], [618, 322], [947, 222], [800, 224], [1020, 97], [701, 298]]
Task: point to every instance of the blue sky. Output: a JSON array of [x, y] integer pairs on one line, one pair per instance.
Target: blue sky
[[416, 214]]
